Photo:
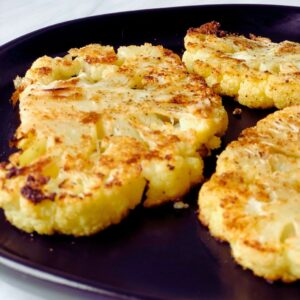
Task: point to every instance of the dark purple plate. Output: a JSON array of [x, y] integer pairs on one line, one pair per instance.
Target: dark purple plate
[[158, 253]]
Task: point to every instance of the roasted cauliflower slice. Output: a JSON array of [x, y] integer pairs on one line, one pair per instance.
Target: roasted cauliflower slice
[[255, 71], [100, 132], [252, 200]]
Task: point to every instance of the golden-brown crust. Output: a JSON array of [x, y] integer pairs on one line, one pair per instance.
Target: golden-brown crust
[[211, 28], [90, 117]]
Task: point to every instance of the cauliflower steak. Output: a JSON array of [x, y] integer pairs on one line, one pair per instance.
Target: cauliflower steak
[[100, 132], [252, 200], [255, 71]]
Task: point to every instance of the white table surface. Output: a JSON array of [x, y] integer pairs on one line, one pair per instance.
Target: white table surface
[[18, 17]]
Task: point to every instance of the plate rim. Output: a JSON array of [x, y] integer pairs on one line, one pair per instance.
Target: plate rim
[[6, 46]]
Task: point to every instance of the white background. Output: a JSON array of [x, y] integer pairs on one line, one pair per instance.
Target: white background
[[18, 17]]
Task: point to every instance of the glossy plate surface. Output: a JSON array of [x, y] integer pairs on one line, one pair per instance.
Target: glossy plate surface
[[159, 253]]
